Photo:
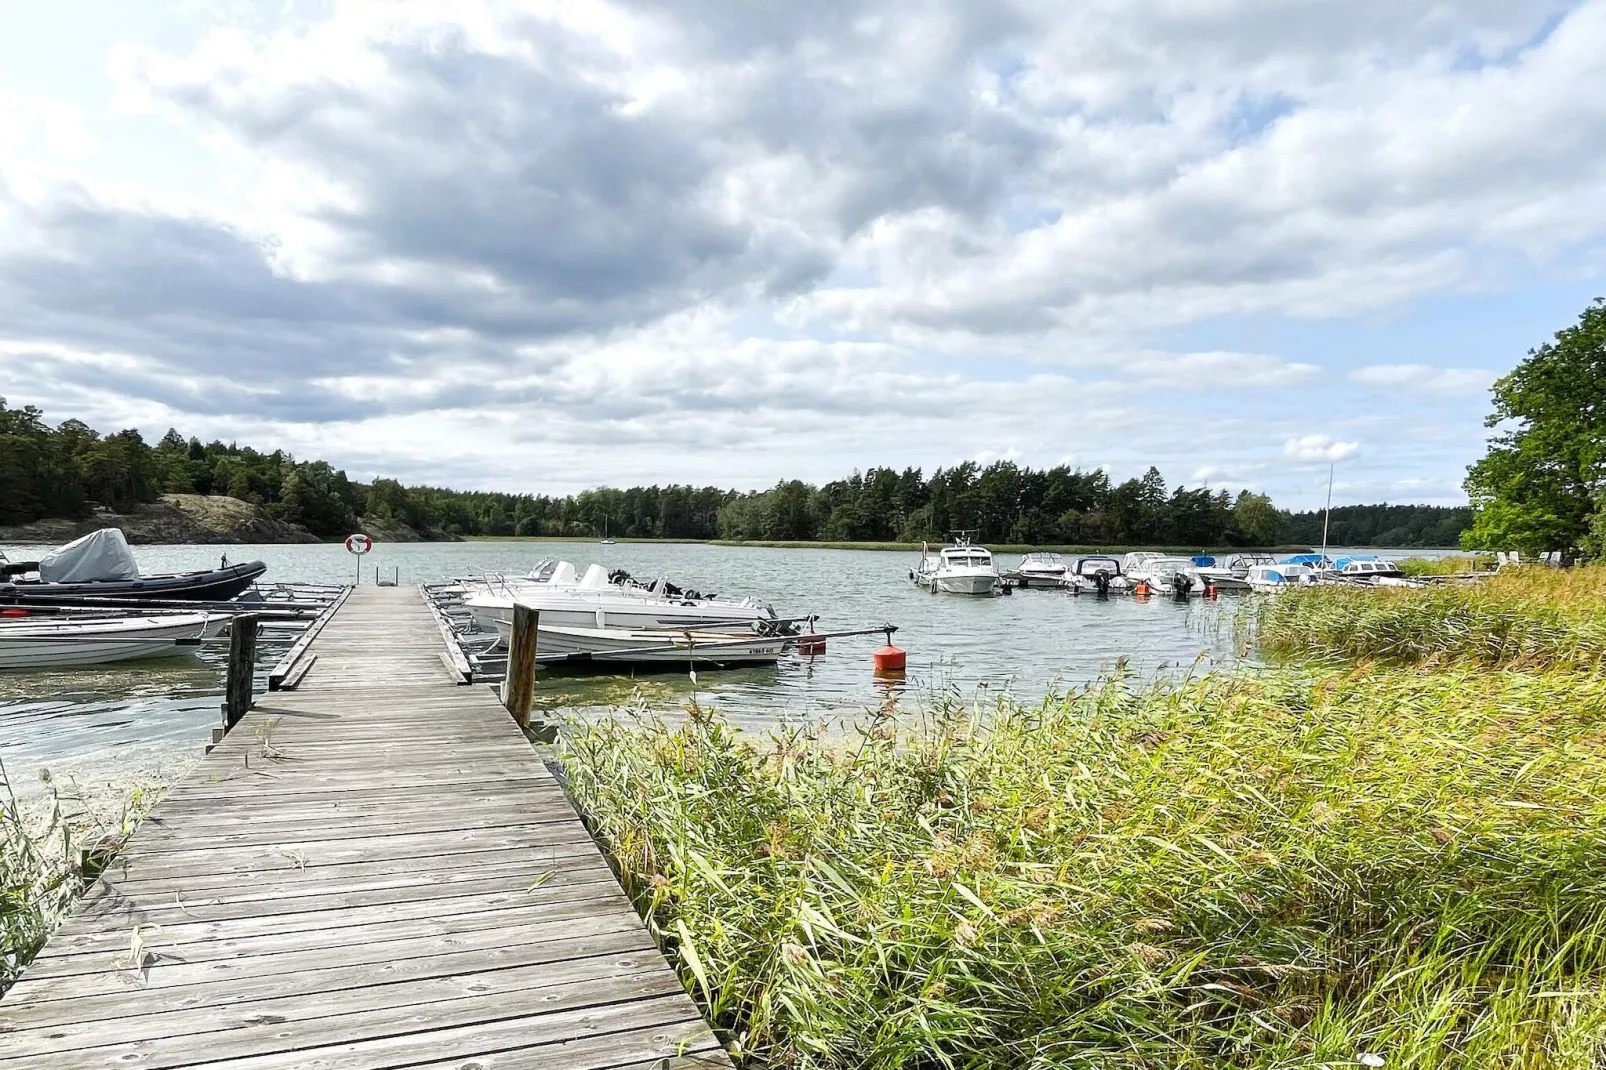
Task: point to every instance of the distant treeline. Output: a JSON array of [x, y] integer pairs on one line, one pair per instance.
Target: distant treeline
[[48, 472], [1381, 525]]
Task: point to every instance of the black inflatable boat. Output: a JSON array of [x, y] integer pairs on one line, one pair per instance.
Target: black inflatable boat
[[214, 585]]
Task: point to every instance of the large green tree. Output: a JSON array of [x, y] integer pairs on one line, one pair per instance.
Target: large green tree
[[1540, 483]]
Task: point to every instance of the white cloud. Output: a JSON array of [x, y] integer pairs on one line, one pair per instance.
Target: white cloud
[[616, 236], [1451, 382], [1319, 448]]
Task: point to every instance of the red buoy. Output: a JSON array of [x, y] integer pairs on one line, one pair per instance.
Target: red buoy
[[811, 644], [889, 659], [13, 612]]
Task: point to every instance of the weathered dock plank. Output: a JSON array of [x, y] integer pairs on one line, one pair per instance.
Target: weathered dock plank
[[373, 870]]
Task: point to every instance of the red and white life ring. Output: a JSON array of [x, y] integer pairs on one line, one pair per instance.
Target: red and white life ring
[[359, 543]]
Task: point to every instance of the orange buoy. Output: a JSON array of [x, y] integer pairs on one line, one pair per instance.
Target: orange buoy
[[1141, 590], [1210, 590], [811, 644], [889, 659]]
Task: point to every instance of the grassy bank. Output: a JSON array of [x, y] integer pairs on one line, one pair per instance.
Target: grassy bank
[[1304, 866]]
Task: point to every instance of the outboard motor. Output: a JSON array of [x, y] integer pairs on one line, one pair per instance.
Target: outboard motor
[[1181, 585], [1101, 581]]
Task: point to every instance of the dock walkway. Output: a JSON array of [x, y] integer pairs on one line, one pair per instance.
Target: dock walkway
[[374, 870]]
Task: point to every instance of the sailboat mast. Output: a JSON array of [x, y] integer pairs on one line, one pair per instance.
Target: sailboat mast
[[1328, 512]]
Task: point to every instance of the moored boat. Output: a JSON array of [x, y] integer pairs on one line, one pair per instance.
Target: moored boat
[[960, 568], [1269, 579], [1098, 573], [668, 647], [593, 601], [49, 642], [1169, 575], [1368, 571], [1041, 570], [100, 565]]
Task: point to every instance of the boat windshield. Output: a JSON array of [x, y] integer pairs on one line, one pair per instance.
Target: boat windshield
[[967, 556], [1088, 566], [1043, 559]]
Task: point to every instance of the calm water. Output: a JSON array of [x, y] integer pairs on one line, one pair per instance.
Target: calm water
[[154, 715]]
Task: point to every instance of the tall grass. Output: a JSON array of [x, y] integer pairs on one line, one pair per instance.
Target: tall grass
[[1535, 618], [1454, 565], [1276, 870], [44, 845]]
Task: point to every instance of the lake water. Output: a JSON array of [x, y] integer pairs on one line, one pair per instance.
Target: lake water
[[153, 716]]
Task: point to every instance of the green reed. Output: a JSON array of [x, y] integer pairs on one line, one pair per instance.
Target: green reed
[[44, 850], [1533, 617], [1282, 869]]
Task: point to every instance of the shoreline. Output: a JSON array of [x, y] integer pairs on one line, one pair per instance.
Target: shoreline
[[909, 547]]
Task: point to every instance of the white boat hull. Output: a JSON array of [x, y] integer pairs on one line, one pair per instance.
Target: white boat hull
[[558, 644], [63, 642], [980, 584], [493, 612]]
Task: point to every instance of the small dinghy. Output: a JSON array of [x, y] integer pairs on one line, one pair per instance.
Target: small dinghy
[[100, 565], [51, 642]]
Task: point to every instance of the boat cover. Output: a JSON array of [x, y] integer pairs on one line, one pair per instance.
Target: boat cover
[[100, 555]]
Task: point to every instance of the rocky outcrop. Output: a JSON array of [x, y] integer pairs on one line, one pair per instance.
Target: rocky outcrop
[[388, 530], [176, 518], [391, 530], [205, 518]]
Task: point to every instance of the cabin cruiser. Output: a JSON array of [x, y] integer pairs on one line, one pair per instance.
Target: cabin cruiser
[[1268, 579], [1041, 570], [1098, 573], [957, 569], [593, 601], [1368, 571]]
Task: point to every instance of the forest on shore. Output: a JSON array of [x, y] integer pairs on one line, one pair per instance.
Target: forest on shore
[[66, 469]]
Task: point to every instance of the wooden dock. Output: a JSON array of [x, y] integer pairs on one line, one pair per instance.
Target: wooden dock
[[374, 870]]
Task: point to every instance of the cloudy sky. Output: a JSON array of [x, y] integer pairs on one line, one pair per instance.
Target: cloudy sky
[[543, 246]]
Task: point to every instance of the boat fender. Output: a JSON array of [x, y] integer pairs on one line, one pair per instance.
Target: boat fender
[[889, 660]]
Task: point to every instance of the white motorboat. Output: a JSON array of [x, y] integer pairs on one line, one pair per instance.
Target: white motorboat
[[49, 642], [957, 569], [1138, 561], [594, 602], [1269, 579], [1218, 573], [651, 646], [1041, 570], [1098, 573], [1169, 575], [1368, 571]]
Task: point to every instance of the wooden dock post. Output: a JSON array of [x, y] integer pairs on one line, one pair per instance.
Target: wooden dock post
[[518, 687], [242, 669]]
